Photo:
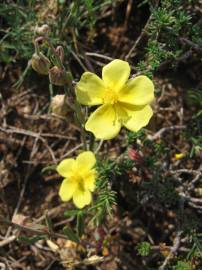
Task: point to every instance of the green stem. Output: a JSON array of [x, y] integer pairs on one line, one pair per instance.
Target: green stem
[[59, 62], [78, 111], [92, 142], [36, 46], [70, 92], [81, 120], [24, 74], [51, 95]]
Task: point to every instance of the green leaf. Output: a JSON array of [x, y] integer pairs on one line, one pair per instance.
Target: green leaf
[[31, 240], [80, 224], [143, 248], [182, 265], [49, 168], [70, 234], [70, 213], [49, 223]]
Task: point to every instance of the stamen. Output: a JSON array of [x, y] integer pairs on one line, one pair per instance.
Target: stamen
[[111, 97]]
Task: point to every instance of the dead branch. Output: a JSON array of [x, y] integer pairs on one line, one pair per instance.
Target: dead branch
[[32, 134], [173, 250], [32, 229], [165, 129]]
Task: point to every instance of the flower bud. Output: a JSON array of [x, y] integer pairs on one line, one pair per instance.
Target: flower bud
[[58, 76], [135, 155], [40, 63], [42, 30], [60, 52], [59, 106]]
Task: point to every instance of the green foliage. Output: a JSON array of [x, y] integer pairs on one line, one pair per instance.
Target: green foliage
[[167, 193], [182, 265], [70, 213], [80, 224], [196, 34], [142, 67], [165, 28], [196, 145], [163, 192], [194, 97], [17, 33], [144, 248], [124, 166], [133, 136], [31, 240], [70, 234], [21, 17], [106, 197], [194, 132], [49, 168], [157, 53], [158, 148], [196, 245], [79, 214], [91, 15]]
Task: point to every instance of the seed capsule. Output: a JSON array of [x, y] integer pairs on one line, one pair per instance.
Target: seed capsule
[[40, 63], [42, 30], [58, 76], [59, 106]]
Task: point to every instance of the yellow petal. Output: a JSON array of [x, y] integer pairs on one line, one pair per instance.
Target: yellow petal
[[179, 156], [138, 91], [82, 198], [90, 178], [103, 123], [85, 161], [65, 167], [67, 189], [115, 74], [138, 117], [90, 89], [121, 112]]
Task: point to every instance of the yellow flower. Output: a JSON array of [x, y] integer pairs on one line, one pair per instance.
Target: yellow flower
[[123, 102], [79, 179], [179, 156]]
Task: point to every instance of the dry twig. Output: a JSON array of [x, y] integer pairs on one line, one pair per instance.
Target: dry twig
[[173, 250], [32, 134], [163, 130], [33, 230]]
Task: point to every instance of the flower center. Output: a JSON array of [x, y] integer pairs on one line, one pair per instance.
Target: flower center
[[110, 97], [80, 181], [81, 185]]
